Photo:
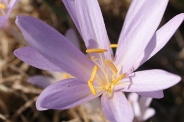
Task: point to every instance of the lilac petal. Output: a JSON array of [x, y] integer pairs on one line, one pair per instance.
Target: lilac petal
[[29, 54], [55, 47], [117, 108], [155, 94], [71, 8], [3, 20], [148, 81], [132, 11], [133, 99], [144, 103], [11, 6], [148, 113], [64, 94], [41, 81], [92, 25], [141, 30], [71, 35], [159, 39]]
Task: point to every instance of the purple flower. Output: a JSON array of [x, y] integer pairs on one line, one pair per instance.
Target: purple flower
[[6, 8], [140, 107], [101, 73]]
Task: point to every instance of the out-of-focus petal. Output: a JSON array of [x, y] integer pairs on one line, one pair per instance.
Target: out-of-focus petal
[[148, 81], [148, 113], [144, 103], [41, 81], [133, 99], [159, 39], [32, 57], [141, 30], [55, 47], [64, 94], [155, 94], [11, 6], [117, 108], [71, 35], [3, 19], [92, 25]]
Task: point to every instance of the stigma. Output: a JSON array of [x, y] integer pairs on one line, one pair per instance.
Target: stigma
[[104, 76]]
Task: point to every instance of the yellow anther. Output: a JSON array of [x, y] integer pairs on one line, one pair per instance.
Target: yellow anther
[[91, 87], [112, 66], [118, 79], [93, 74], [95, 50], [113, 45], [2, 6]]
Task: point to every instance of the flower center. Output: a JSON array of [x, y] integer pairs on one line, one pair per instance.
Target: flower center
[[104, 75], [2, 9]]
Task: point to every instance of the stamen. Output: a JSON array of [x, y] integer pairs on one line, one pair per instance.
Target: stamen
[[2, 6], [118, 79], [93, 74], [112, 66], [113, 45], [91, 87], [95, 50]]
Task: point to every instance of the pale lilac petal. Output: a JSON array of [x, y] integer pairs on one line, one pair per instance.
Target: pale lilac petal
[[88, 19], [144, 103], [11, 6], [141, 30], [71, 35], [148, 113], [133, 99], [148, 81], [155, 94], [92, 25], [64, 94], [159, 39], [3, 20], [117, 108], [132, 11], [41, 81], [55, 47], [35, 59], [71, 8]]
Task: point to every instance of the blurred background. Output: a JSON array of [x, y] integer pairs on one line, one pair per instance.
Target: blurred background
[[17, 96]]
